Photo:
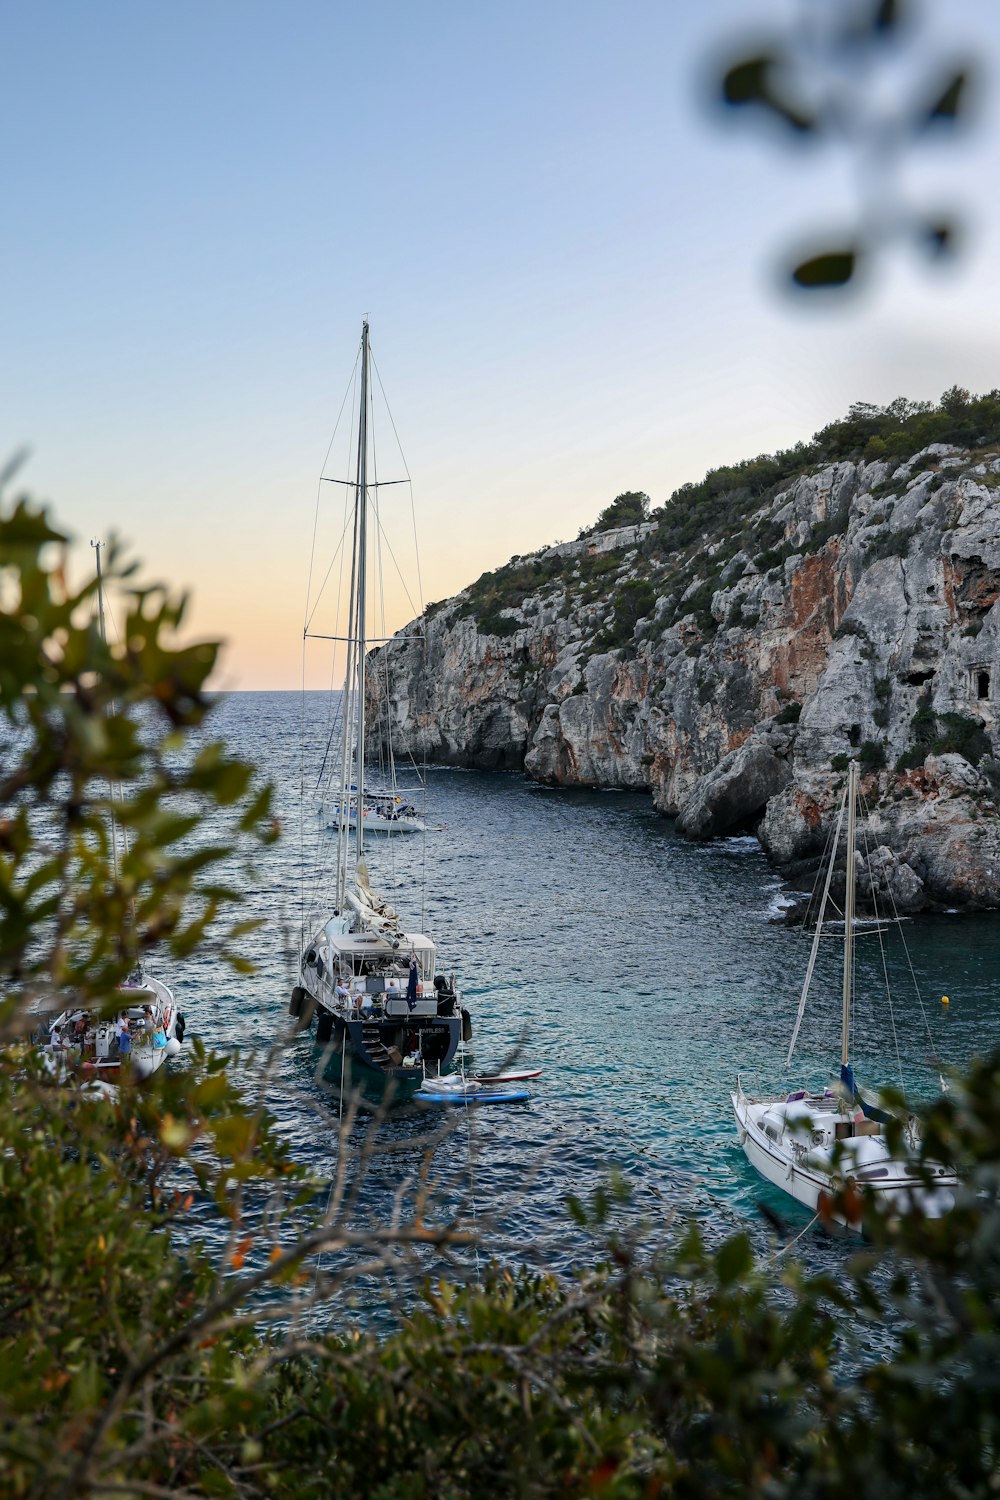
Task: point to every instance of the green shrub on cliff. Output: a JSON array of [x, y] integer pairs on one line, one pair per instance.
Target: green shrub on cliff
[[508, 587], [943, 734], [627, 509], [633, 601]]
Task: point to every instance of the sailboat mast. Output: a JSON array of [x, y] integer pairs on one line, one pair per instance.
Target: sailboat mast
[[102, 626], [362, 502], [852, 800], [100, 593]]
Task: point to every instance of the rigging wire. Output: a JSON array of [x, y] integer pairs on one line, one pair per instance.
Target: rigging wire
[[338, 550], [897, 919], [338, 704], [379, 617], [115, 788], [866, 811], [416, 547], [815, 910], [304, 907], [326, 457]]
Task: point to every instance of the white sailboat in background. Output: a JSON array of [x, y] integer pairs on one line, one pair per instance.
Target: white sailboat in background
[[381, 810], [386, 1014], [810, 1144], [83, 1040]]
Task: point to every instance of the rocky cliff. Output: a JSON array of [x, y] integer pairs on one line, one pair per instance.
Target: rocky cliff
[[732, 669]]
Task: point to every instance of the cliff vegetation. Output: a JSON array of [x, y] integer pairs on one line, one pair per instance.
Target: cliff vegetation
[[731, 650]]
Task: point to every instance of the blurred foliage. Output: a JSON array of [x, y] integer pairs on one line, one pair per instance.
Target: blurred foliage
[[103, 855], [833, 77], [137, 1361]]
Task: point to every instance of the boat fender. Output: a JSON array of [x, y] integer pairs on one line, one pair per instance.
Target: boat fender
[[180, 1026], [466, 1025], [324, 1026], [295, 1003], [173, 1047]]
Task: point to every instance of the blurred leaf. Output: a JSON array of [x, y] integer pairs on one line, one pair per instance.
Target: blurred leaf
[[939, 237], [752, 82], [734, 1260], [948, 103], [832, 268], [888, 15]]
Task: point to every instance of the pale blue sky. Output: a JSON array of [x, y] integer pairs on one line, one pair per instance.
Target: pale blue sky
[[567, 264]]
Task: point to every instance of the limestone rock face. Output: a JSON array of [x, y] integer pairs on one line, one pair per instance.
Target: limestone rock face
[[855, 614], [738, 790]]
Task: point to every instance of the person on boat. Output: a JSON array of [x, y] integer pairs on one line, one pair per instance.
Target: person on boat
[[124, 1037], [412, 982], [148, 1024], [343, 990], [159, 1036]]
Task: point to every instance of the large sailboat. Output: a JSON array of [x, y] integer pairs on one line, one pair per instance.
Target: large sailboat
[[386, 1016], [146, 1027], [812, 1143]]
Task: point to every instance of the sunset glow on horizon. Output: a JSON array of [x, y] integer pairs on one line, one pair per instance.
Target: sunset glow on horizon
[[567, 261]]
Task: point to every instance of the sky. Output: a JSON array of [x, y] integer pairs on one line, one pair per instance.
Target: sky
[[571, 264]]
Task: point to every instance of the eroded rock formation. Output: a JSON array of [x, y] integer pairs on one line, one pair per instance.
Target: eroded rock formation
[[854, 614]]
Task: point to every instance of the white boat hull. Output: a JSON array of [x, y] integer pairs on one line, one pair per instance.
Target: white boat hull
[[802, 1185], [376, 823], [795, 1164]]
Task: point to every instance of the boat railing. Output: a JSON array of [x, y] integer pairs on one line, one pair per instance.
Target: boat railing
[[826, 1103]]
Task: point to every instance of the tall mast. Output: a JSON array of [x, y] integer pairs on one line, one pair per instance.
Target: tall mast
[[852, 799], [100, 593], [102, 626], [362, 503]]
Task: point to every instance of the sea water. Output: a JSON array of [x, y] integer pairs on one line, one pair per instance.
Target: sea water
[[639, 971]]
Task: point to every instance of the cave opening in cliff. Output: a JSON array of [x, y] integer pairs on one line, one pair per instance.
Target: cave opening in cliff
[[854, 736], [982, 684]]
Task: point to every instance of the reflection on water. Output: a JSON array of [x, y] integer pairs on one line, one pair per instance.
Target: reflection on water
[[644, 972]]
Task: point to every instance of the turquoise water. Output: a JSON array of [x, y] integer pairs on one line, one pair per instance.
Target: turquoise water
[[643, 971]]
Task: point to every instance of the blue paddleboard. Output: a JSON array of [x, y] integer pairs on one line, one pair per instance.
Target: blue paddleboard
[[488, 1096]]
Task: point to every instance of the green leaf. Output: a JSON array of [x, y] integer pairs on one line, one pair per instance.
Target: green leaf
[[832, 268], [949, 102], [752, 82], [734, 1260]]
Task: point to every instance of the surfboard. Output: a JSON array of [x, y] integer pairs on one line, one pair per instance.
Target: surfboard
[[510, 1076]]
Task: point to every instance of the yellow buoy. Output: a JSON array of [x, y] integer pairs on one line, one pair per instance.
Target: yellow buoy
[[944, 999]]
